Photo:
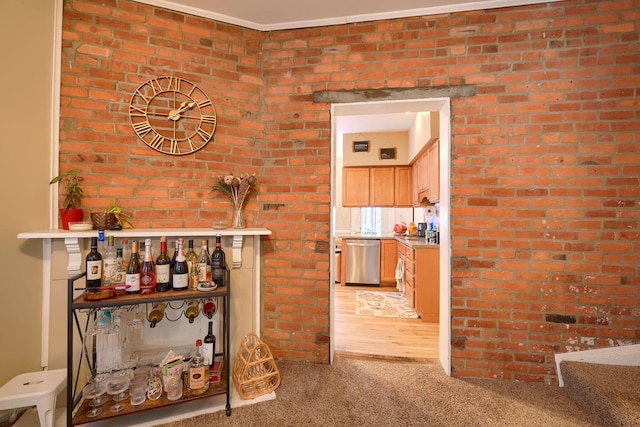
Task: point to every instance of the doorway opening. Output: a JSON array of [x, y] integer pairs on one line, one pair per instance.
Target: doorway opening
[[389, 116]]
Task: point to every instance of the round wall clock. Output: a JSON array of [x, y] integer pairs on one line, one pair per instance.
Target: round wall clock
[[172, 115]]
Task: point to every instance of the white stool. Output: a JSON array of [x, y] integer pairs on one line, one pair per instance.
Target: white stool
[[35, 388]]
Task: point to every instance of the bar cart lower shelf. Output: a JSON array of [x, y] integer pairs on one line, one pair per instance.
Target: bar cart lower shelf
[[214, 390]]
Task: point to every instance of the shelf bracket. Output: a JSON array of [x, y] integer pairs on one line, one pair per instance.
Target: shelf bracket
[[236, 251], [75, 255]]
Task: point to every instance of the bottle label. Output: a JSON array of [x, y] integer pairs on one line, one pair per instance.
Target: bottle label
[[133, 280], [202, 272], [109, 270], [180, 281], [197, 378], [162, 273], [207, 352], [94, 270]]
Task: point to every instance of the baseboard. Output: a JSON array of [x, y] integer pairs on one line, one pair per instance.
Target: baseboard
[[626, 355]]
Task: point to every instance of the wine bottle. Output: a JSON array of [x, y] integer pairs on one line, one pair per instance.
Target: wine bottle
[[204, 265], [126, 253], [180, 271], [94, 265], [109, 262], [163, 266], [192, 260], [147, 271], [157, 313], [209, 307], [198, 379], [192, 310], [120, 273], [209, 346], [132, 279], [218, 272], [172, 265]]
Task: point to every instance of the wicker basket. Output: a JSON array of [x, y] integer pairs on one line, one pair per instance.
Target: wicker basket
[[254, 371], [103, 220]]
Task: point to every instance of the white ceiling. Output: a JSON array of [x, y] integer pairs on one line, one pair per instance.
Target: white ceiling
[[287, 14]]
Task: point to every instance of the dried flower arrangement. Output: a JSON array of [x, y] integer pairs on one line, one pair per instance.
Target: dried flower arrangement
[[235, 187]]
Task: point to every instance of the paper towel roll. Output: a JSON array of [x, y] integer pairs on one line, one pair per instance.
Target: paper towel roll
[[429, 211]]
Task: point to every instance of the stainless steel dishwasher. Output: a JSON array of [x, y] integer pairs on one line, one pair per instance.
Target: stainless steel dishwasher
[[362, 262]]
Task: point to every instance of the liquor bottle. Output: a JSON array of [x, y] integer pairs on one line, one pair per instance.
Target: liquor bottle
[[132, 279], [172, 265], [198, 379], [180, 271], [209, 307], [209, 346], [147, 271], [163, 266], [193, 310], [109, 262], [192, 259], [94, 265], [204, 265], [157, 313], [119, 275], [218, 272], [126, 253]]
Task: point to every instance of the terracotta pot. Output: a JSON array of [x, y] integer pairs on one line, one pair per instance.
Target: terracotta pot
[[70, 215]]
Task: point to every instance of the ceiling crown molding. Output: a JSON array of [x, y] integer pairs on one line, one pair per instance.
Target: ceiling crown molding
[[180, 6]]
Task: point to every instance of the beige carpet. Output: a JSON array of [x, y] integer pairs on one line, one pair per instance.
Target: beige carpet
[[354, 392], [383, 304]]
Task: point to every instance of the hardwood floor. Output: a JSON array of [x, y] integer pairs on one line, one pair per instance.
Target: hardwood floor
[[381, 337]]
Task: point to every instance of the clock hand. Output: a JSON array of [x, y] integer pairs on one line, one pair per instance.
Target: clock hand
[[175, 115]]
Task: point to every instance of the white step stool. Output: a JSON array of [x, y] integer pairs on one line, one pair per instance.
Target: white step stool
[[35, 388]]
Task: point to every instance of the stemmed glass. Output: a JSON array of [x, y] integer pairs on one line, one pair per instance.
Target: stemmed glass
[[94, 391], [116, 387], [100, 379]]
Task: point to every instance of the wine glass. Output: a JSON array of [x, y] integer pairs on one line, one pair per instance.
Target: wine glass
[[100, 379], [94, 391], [116, 387]]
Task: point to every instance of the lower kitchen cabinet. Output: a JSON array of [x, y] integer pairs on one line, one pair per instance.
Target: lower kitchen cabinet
[[422, 279], [388, 262]]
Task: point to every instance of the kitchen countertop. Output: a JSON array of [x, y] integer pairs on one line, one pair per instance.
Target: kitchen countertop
[[413, 242]]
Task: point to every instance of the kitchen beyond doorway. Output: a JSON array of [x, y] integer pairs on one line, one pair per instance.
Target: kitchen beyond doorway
[[381, 337]]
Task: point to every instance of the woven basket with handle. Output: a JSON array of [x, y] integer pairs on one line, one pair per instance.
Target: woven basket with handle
[[254, 371]]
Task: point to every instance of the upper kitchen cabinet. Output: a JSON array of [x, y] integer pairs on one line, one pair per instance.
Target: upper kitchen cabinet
[[355, 187], [404, 186], [382, 188], [426, 175], [433, 155], [376, 186]]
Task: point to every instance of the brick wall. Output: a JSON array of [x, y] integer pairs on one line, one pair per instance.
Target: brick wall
[[545, 159]]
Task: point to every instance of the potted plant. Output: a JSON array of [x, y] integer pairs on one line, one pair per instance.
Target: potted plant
[[112, 219], [73, 194]]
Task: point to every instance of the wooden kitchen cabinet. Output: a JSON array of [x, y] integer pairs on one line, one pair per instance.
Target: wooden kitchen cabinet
[[403, 186], [433, 156], [355, 187], [376, 186], [382, 187], [422, 280], [388, 262]]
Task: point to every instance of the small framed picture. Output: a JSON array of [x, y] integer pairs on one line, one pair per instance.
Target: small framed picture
[[387, 153], [360, 146]]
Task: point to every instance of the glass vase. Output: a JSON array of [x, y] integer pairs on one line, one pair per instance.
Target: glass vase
[[238, 219]]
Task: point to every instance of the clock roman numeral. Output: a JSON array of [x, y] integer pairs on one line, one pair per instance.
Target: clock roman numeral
[[157, 142], [205, 103], [142, 128], [174, 83], [175, 149], [156, 86], [209, 119], [141, 95], [203, 134], [136, 112]]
